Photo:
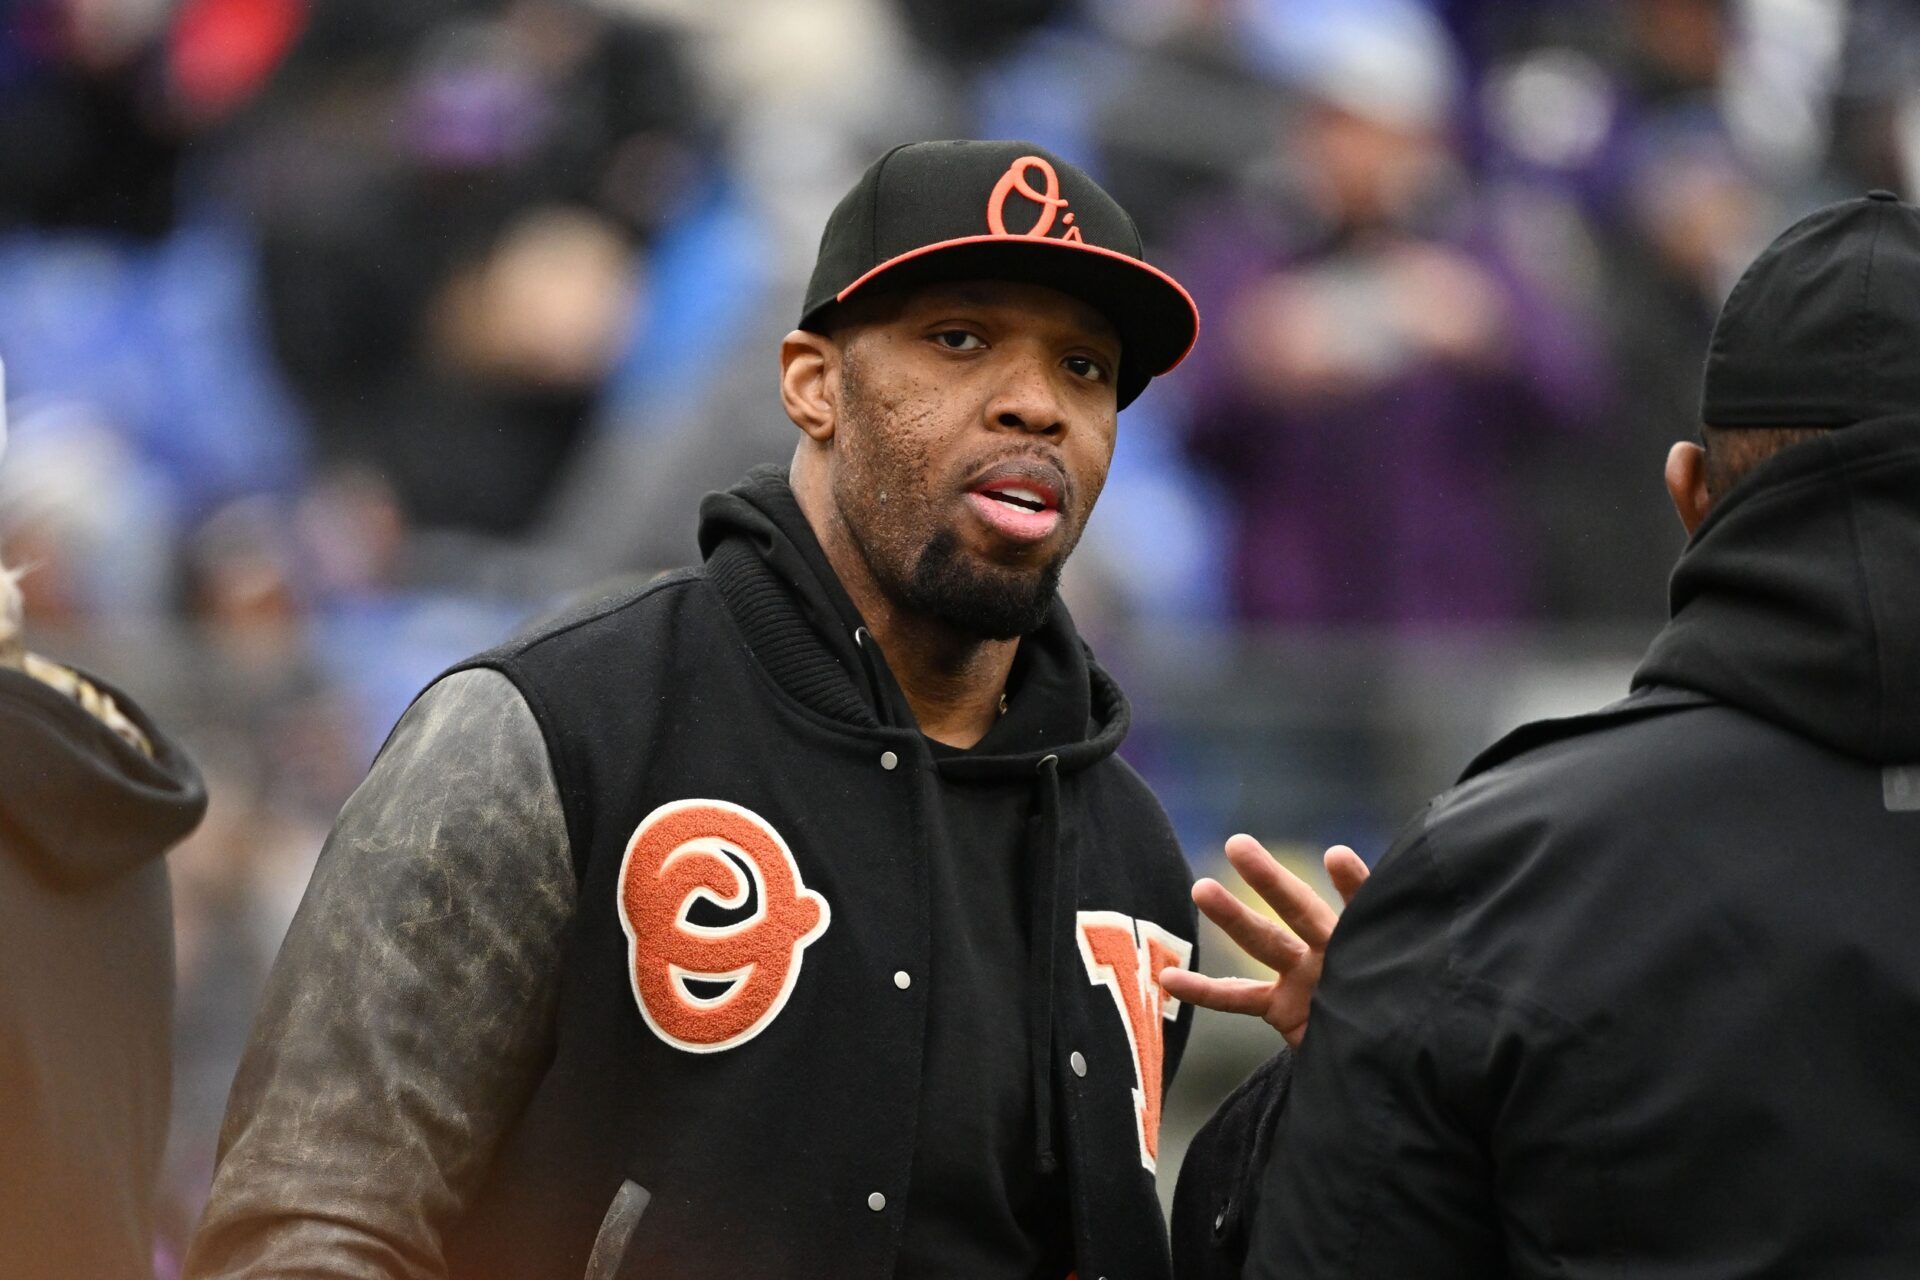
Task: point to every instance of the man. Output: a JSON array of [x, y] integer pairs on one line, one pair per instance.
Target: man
[[792, 916], [92, 795], [1641, 995]]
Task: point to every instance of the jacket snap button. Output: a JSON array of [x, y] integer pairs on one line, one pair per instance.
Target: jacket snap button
[[876, 1202], [888, 760], [902, 979], [1078, 1062]]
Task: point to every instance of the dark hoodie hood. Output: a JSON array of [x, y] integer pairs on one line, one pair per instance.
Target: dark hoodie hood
[[1798, 599], [78, 804], [806, 632]]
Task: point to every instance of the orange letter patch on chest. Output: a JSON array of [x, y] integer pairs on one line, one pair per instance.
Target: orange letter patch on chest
[[709, 849], [1126, 956]]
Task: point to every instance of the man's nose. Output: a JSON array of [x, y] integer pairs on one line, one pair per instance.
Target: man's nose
[[1027, 399]]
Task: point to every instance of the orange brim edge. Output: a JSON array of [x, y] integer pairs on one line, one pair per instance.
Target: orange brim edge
[[1076, 246]]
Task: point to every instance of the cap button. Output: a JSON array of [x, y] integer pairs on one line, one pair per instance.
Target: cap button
[[1881, 193]]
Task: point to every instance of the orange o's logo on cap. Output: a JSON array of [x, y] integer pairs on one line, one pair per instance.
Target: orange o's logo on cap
[[694, 850], [1050, 200]]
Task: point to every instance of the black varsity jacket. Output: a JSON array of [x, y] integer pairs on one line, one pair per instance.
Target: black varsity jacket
[[735, 1076]]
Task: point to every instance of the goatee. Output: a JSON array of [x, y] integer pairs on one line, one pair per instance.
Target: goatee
[[976, 600]]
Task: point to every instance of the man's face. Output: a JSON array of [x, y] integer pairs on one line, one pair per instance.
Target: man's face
[[975, 426]]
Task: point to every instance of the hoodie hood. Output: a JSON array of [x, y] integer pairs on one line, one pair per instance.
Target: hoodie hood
[[79, 804], [1798, 599], [763, 556]]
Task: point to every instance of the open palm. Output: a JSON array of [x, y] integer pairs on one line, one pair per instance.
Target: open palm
[[1293, 948]]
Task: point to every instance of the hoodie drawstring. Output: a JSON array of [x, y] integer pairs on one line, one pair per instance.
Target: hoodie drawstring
[[869, 661], [1055, 876], [1052, 868]]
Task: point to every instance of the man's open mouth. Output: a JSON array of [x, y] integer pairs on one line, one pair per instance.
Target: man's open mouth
[[1019, 500], [1018, 496]]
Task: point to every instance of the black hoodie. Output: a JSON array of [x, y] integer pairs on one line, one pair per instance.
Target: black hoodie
[[933, 1069], [86, 949], [1641, 995]]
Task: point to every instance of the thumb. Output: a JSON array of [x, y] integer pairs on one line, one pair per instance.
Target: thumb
[[13, 645]]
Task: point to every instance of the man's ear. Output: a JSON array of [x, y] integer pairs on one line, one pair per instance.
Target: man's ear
[[808, 362], [1687, 483]]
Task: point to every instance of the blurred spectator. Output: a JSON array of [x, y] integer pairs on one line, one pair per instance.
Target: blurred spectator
[[131, 325], [92, 795], [1377, 370], [1647, 147], [81, 131], [1178, 122], [1876, 127], [454, 240], [104, 96], [1688, 204], [970, 34]]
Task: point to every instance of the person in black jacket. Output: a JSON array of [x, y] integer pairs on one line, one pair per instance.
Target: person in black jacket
[[92, 795], [791, 916], [1641, 995]]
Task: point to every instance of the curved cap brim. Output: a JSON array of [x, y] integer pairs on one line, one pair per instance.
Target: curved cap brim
[[1155, 317]]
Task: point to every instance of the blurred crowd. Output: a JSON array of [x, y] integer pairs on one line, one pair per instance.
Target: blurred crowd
[[341, 338]]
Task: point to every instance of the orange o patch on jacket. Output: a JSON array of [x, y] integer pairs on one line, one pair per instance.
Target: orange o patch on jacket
[[709, 849]]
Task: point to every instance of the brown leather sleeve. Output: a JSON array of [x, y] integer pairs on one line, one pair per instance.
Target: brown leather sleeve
[[410, 1011]]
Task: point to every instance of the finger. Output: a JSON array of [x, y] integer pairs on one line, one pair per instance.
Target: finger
[[1292, 898], [1228, 995], [1347, 871], [1261, 938], [1256, 935]]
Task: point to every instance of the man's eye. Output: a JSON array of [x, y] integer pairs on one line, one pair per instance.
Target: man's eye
[[1086, 367], [958, 340]]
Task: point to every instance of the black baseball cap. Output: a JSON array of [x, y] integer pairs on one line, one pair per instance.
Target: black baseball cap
[[936, 212], [1823, 330]]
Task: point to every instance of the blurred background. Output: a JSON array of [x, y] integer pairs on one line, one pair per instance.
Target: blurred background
[[342, 338]]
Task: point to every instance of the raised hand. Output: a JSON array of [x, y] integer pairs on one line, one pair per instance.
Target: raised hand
[[1294, 952]]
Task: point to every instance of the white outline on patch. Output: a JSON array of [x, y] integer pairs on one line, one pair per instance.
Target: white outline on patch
[[1144, 933]]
